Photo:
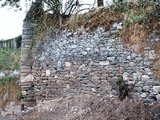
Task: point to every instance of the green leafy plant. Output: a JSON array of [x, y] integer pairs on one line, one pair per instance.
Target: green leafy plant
[[20, 95], [85, 17], [119, 81], [7, 79], [127, 23], [140, 18]]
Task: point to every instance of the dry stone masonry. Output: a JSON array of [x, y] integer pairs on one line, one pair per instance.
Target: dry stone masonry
[[69, 64]]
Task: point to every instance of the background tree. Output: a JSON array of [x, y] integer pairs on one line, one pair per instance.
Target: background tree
[[52, 6], [100, 3], [12, 3]]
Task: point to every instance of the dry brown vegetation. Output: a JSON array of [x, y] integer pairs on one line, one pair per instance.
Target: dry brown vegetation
[[9, 91], [101, 16]]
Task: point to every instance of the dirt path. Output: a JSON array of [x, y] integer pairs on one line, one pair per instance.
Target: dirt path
[[93, 107]]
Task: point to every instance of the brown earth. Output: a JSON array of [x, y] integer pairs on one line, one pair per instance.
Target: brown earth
[[93, 107]]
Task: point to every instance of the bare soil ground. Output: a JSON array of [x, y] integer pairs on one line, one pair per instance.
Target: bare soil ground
[[93, 107]]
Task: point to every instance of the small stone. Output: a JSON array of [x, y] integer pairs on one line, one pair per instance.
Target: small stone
[[156, 88], [117, 26], [84, 53], [104, 62], [134, 95], [147, 70], [16, 72], [67, 64], [93, 90], [147, 63], [155, 69], [147, 100], [59, 65], [132, 64], [67, 86], [2, 75], [134, 55], [145, 77], [143, 95], [41, 59], [151, 83], [73, 46], [24, 93], [113, 63], [69, 34], [5, 96], [146, 88], [56, 76], [151, 54], [149, 73], [137, 76], [48, 72], [158, 97], [111, 58], [82, 66], [88, 49], [47, 62], [125, 76], [139, 84], [152, 95], [137, 89], [128, 57], [131, 82], [28, 78], [108, 88]]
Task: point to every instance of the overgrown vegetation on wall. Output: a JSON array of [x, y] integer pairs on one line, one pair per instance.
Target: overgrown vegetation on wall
[[139, 20]]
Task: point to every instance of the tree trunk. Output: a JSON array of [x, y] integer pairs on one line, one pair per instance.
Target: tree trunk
[[100, 3]]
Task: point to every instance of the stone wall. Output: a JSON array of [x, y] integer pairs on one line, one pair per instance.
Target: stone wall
[[26, 77], [81, 62]]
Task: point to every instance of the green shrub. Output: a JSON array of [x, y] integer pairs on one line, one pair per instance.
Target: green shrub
[[7, 79], [9, 59]]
